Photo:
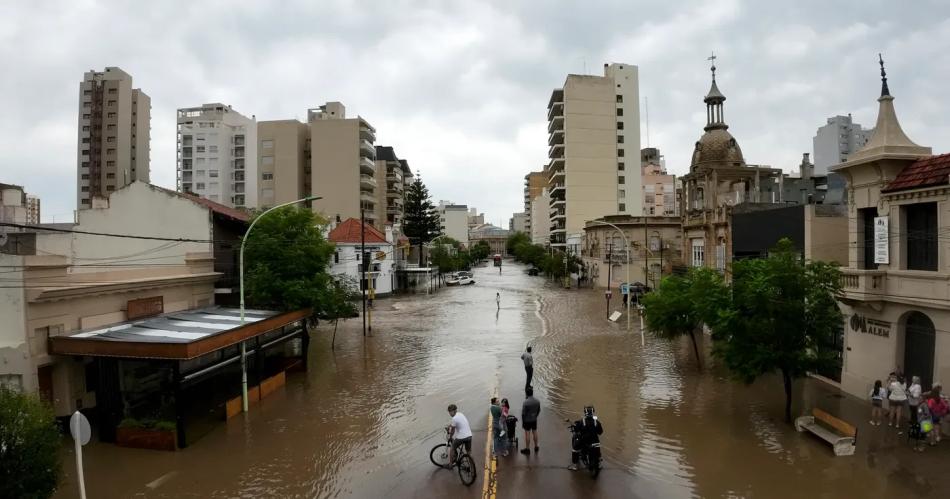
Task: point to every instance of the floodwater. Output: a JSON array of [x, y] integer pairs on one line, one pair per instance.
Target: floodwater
[[361, 421]]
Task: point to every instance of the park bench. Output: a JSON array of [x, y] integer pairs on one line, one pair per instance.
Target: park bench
[[841, 435]]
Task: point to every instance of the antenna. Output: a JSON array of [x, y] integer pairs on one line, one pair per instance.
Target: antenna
[[585, 65], [646, 105]]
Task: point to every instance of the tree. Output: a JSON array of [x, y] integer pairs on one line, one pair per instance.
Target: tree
[[448, 259], [780, 313], [515, 241], [285, 261], [337, 302], [480, 251], [29, 446], [682, 304], [420, 220]]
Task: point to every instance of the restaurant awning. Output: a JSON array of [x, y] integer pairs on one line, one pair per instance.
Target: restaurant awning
[[177, 335]]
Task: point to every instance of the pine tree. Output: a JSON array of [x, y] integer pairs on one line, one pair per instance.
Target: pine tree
[[420, 221]]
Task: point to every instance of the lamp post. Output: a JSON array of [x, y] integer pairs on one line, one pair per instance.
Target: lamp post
[[241, 273]]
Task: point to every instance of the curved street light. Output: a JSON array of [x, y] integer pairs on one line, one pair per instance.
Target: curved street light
[[626, 243], [241, 272]]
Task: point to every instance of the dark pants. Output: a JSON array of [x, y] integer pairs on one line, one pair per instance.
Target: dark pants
[[529, 371]]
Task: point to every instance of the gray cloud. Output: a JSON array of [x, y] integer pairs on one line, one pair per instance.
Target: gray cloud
[[460, 88]]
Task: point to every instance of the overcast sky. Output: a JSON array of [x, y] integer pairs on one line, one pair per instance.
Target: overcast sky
[[460, 88]]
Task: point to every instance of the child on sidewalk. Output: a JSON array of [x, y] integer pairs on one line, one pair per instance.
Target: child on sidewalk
[[878, 394]]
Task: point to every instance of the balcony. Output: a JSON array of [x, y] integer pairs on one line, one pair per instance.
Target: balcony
[[367, 182], [557, 191], [557, 215], [556, 123], [556, 137], [368, 198], [367, 133], [904, 286], [367, 150], [394, 209], [556, 151], [367, 166], [556, 177], [394, 194], [239, 152]]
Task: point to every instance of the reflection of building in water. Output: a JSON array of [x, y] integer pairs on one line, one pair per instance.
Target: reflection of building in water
[[896, 301]]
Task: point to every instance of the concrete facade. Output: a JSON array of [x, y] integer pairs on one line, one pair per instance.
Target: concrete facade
[[655, 244], [392, 175], [593, 122], [534, 185], [540, 226], [114, 129], [283, 161], [836, 140], [455, 221], [58, 292], [217, 156], [659, 188], [896, 312], [518, 223]]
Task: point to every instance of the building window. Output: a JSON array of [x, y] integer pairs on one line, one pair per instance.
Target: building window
[[199, 173], [84, 176], [620, 166], [621, 179], [84, 188], [267, 144], [212, 148], [619, 125], [110, 139], [721, 255], [619, 99], [619, 111], [620, 153], [336, 257], [110, 175], [110, 115], [110, 163], [622, 193], [111, 103], [212, 173], [13, 382], [110, 151], [620, 139], [110, 188], [110, 128], [621, 207], [866, 217], [200, 186], [698, 253], [200, 148], [921, 236], [86, 116], [267, 160], [267, 176]]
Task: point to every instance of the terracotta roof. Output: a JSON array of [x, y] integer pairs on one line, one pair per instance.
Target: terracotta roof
[[926, 172], [348, 231], [219, 208]]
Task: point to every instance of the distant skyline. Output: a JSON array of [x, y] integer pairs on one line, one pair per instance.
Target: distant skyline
[[460, 89]]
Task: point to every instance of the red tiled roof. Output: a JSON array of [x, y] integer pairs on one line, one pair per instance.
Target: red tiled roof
[[348, 231], [926, 172], [219, 208]]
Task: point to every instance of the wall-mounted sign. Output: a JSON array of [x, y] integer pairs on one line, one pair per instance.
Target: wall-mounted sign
[[862, 324], [144, 307], [880, 240]]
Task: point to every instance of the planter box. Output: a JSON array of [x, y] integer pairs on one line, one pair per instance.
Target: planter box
[[146, 438]]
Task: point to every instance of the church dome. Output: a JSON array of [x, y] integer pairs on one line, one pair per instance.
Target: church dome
[[717, 147]]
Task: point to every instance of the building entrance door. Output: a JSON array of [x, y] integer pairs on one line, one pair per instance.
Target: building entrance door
[[919, 342]]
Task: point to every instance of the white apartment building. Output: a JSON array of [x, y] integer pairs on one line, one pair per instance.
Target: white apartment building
[[837, 140], [114, 130], [594, 132], [217, 155], [348, 259], [454, 219], [518, 223]]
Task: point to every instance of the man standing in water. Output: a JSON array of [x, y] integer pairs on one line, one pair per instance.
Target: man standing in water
[[528, 367], [529, 420], [498, 300]]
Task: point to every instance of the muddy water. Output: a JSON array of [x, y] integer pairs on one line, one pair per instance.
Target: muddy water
[[361, 422]]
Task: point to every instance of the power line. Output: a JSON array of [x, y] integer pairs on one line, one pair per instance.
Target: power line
[[104, 234]]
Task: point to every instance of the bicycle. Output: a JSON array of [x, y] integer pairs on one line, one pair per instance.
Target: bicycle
[[439, 455]]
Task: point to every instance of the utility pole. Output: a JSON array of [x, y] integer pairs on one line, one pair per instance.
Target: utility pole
[[646, 252], [610, 265], [363, 263]]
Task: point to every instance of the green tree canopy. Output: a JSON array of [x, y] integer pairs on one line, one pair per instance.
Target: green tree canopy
[[420, 220], [682, 304], [480, 251], [285, 261], [338, 302], [29, 446], [515, 240], [780, 314]]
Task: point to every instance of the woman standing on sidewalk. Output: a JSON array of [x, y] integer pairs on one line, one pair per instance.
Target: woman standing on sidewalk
[[914, 392], [878, 394], [897, 400], [938, 409], [497, 426]]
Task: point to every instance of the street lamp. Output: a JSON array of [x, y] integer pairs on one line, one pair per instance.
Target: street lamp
[[241, 272], [608, 294], [626, 244]]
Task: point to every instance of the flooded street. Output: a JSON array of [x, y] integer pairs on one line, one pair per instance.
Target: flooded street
[[361, 421]]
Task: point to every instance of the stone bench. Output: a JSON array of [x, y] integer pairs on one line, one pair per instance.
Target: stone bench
[[841, 435]]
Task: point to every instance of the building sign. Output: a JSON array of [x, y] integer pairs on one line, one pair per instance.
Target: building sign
[[862, 324], [144, 307], [880, 240]]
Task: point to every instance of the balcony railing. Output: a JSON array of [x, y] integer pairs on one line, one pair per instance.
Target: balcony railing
[[367, 166], [367, 182]]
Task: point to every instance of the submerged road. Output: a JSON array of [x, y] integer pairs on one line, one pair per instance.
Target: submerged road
[[361, 421]]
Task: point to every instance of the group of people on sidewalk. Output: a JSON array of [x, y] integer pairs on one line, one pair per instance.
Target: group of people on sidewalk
[[895, 400], [504, 423]]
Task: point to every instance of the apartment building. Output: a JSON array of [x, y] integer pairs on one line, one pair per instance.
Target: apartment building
[[534, 185], [114, 129], [659, 187], [896, 302], [540, 226], [391, 182], [836, 140], [217, 155], [454, 219], [518, 223], [32, 209], [343, 164], [283, 160], [593, 121], [475, 218]]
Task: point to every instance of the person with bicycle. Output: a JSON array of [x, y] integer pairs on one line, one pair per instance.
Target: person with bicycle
[[460, 432]]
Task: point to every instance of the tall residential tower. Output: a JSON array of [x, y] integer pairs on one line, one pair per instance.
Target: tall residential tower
[[113, 146]]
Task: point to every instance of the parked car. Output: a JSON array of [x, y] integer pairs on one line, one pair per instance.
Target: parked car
[[533, 271]]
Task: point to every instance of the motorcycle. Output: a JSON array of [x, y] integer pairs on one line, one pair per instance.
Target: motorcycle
[[590, 453]]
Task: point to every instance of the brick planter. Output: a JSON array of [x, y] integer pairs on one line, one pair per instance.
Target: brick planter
[[146, 438]]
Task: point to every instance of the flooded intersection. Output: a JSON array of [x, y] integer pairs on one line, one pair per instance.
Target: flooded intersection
[[361, 421]]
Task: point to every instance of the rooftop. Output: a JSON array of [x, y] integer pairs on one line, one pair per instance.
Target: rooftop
[[925, 172], [348, 231]]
